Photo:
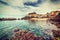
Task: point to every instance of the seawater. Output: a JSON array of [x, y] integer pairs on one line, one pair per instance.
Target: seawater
[[37, 27]]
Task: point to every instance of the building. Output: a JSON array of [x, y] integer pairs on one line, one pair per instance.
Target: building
[[53, 14], [33, 15]]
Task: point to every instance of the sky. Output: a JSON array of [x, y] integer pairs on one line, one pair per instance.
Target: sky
[[20, 8]]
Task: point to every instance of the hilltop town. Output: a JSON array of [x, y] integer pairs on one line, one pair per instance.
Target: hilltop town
[[35, 16], [52, 17]]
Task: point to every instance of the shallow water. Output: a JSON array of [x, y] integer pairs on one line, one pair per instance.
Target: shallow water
[[37, 27]]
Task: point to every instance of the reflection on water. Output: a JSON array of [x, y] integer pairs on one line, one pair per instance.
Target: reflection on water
[[37, 28]]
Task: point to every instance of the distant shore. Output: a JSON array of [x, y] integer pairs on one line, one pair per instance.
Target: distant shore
[[10, 19], [5, 19]]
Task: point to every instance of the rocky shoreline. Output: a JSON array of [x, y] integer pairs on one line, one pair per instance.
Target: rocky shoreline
[[26, 35]]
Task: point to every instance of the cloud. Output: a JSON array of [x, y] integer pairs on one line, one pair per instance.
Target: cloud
[[2, 2], [23, 7], [55, 1], [16, 4], [35, 4]]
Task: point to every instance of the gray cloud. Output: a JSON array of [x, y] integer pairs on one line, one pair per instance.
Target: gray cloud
[[2, 2], [35, 4], [12, 6], [55, 1]]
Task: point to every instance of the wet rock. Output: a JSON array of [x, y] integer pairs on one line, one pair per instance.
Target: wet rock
[[56, 33], [26, 35], [38, 38], [16, 30], [22, 35], [53, 39]]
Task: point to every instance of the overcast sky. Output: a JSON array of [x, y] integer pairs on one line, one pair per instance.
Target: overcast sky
[[20, 8]]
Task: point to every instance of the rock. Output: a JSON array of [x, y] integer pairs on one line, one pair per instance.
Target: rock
[[53, 39], [22, 35], [38, 38], [16, 30], [56, 33], [55, 19]]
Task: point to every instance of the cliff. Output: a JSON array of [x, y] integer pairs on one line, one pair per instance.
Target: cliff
[[55, 19]]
